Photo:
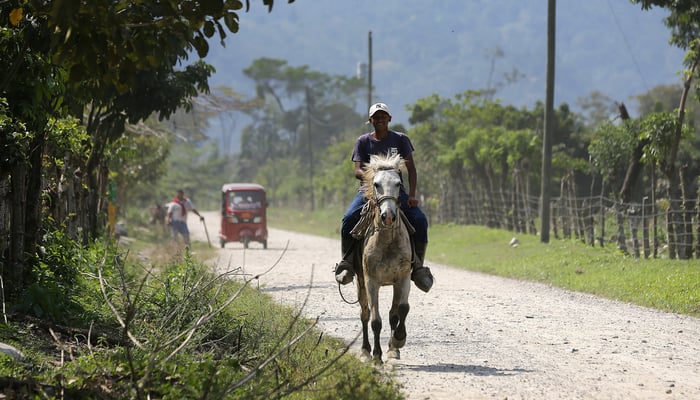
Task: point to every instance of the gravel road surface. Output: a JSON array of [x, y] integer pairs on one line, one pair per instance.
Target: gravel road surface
[[476, 336]]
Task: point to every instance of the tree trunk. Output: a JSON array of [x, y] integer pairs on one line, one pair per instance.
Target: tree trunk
[[564, 210], [621, 236], [685, 250], [590, 219], [697, 225], [24, 216], [654, 220], [634, 167], [669, 168], [33, 203], [671, 229], [5, 214], [601, 207], [104, 129], [645, 228], [14, 276], [635, 220], [513, 222]]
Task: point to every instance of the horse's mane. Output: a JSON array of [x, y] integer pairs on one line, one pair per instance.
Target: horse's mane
[[380, 163]]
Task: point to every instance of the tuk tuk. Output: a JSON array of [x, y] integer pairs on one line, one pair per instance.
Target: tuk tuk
[[243, 214]]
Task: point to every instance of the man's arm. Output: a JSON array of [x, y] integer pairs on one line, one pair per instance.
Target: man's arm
[[190, 207], [412, 181], [359, 169]]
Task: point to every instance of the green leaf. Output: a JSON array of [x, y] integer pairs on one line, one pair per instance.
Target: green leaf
[[231, 21], [222, 33], [233, 5], [209, 29], [201, 45]]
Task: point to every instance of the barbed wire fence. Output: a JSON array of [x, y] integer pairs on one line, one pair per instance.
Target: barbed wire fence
[[641, 229]]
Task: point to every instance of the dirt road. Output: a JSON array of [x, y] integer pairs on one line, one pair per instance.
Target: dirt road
[[476, 336]]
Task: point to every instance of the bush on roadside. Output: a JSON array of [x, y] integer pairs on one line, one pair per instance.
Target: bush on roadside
[[173, 330]]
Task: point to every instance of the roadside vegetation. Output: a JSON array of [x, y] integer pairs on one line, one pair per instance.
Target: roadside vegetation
[[144, 318], [661, 283]]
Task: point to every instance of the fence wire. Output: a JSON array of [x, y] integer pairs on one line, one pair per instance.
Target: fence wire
[[645, 229]]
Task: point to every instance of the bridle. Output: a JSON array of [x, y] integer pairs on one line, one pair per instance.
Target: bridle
[[378, 200]]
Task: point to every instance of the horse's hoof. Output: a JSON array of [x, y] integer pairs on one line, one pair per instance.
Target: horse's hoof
[[378, 360], [365, 356], [393, 354]]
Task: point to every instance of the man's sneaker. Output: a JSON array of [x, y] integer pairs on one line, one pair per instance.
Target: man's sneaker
[[422, 277], [343, 273]]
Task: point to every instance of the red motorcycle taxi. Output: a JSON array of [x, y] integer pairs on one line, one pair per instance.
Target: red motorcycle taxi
[[243, 214]]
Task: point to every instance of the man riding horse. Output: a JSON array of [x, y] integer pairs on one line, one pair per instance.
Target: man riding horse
[[386, 142]]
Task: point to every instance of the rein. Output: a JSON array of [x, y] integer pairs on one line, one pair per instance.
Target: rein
[[340, 291]]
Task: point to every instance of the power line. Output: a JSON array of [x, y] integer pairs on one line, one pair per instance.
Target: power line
[[627, 44]]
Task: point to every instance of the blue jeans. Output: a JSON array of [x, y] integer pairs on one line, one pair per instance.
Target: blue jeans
[[181, 228], [415, 217]]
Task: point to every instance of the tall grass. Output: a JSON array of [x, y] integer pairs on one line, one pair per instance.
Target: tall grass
[[668, 285]]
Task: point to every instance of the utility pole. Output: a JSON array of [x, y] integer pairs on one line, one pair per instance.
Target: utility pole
[[548, 123], [369, 71]]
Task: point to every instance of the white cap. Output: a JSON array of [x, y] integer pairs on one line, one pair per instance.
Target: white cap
[[378, 107]]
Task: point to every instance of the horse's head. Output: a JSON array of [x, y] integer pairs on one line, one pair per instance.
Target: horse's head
[[383, 184]]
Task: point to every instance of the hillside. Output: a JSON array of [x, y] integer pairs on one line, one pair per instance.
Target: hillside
[[607, 45]]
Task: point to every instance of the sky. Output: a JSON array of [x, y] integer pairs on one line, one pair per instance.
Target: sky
[[446, 47]]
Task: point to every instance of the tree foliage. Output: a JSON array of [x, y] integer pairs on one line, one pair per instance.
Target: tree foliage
[[611, 150], [302, 113], [105, 63], [473, 144], [684, 23]]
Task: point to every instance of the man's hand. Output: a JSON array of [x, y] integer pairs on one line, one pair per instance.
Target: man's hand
[[412, 202], [201, 218]]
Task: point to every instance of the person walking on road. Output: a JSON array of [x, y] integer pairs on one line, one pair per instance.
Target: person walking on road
[[177, 216]]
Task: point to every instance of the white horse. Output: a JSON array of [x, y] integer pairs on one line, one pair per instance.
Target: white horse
[[386, 256]]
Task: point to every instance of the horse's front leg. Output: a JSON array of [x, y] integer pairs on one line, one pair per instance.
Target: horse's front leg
[[375, 319], [397, 318], [364, 317]]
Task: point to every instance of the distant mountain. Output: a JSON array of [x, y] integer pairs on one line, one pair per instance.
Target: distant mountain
[[449, 46]]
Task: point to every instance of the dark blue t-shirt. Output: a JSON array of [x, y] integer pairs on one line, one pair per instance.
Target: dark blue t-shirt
[[394, 143]]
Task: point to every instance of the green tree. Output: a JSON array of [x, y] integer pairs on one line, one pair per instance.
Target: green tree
[[137, 161], [474, 149], [31, 87], [611, 150], [302, 112], [684, 22], [105, 62]]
